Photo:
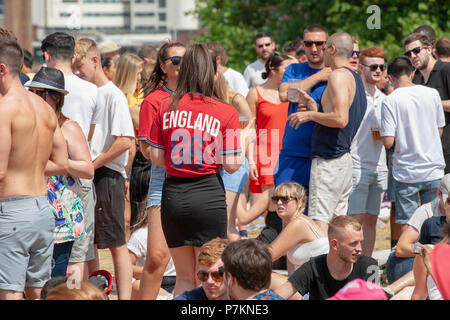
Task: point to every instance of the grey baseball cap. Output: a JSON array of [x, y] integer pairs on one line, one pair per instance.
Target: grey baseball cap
[[444, 187]]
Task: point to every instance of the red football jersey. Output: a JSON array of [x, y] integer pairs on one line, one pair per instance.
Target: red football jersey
[[149, 109], [195, 135]]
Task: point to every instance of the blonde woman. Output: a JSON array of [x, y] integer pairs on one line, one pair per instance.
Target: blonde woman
[[300, 239], [128, 80], [236, 184]]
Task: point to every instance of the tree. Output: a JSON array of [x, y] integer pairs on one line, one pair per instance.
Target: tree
[[234, 23]]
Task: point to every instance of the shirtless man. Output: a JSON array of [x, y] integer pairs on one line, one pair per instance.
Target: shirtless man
[[31, 147], [337, 117]]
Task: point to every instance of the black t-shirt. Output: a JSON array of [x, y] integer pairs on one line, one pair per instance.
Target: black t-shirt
[[314, 277], [430, 232], [439, 79]]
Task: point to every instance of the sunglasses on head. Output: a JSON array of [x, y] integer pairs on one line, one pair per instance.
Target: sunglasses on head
[[309, 44], [215, 275], [176, 60], [355, 52], [264, 45], [415, 51], [374, 67], [284, 199]]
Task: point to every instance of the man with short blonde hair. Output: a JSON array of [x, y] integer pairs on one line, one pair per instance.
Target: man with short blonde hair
[[324, 275], [109, 150]]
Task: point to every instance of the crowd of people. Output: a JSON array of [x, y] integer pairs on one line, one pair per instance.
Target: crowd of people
[[164, 157]]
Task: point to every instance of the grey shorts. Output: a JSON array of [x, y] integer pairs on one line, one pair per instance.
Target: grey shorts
[[83, 250], [27, 228]]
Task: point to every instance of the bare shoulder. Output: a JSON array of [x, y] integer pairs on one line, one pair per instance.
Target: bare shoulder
[[339, 75], [72, 128]]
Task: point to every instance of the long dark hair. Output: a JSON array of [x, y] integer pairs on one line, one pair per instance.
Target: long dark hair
[[158, 77], [197, 73], [274, 62]]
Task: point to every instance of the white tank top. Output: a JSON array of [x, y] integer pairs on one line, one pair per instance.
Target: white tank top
[[301, 253]]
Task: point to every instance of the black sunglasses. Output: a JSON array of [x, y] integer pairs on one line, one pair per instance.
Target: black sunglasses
[[415, 51], [357, 54], [309, 44], [374, 67], [215, 275], [284, 199], [40, 93], [176, 60]]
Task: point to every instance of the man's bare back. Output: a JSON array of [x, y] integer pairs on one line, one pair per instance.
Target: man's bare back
[[30, 137]]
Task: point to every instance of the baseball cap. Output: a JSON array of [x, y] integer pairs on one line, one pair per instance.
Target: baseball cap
[[359, 289], [108, 46], [440, 265], [444, 187]]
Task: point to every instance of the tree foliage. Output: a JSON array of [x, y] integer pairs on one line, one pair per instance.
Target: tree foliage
[[234, 23]]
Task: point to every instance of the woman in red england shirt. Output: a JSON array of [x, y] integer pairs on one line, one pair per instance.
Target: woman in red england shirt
[[193, 135], [159, 88]]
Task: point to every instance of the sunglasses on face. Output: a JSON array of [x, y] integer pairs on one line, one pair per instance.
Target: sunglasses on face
[[357, 54], [374, 67], [176, 60], [217, 276], [309, 44], [40, 93], [415, 51], [284, 199], [264, 45]]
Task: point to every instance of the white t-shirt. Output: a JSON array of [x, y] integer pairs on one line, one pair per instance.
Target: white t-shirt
[[413, 115], [80, 104], [115, 122], [367, 152], [138, 245], [422, 213], [253, 72], [236, 81]]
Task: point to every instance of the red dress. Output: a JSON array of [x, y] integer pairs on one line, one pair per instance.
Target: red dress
[[270, 122]]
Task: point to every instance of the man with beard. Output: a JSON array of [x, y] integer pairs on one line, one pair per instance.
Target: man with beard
[[265, 47], [434, 74], [324, 275]]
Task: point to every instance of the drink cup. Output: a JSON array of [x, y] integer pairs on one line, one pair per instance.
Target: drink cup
[[376, 134], [243, 121], [293, 85]]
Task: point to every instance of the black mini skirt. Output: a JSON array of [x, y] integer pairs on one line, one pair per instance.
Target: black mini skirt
[[193, 210]]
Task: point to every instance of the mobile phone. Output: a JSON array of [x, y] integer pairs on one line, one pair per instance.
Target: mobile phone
[[416, 248]]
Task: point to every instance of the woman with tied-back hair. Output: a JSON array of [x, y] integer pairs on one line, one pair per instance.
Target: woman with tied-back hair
[[271, 115], [193, 135], [157, 91]]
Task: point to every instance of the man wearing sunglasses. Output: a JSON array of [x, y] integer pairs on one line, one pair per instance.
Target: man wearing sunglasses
[[434, 74], [265, 47], [368, 153], [295, 156], [209, 273]]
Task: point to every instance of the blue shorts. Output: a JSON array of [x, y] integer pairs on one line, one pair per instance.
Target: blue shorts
[[157, 177], [236, 181], [390, 192], [407, 200], [295, 169], [27, 226], [367, 191]]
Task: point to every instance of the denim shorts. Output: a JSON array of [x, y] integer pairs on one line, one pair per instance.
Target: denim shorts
[[236, 181], [397, 267], [157, 177], [367, 191], [27, 226], [407, 200]]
